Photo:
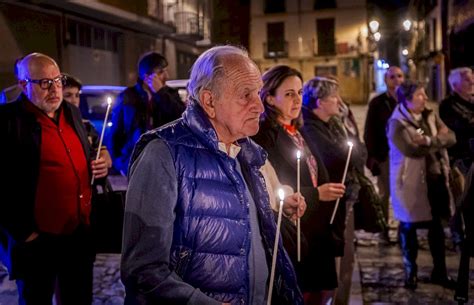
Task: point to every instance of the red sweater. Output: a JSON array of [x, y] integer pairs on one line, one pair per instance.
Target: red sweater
[[63, 193]]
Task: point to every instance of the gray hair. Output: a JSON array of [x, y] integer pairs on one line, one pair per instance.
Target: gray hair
[[318, 88], [208, 69], [455, 75]]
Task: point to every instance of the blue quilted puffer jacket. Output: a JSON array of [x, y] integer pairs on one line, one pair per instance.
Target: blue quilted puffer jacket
[[212, 236]]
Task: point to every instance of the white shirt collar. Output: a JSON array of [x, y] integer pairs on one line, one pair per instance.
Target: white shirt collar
[[233, 151]]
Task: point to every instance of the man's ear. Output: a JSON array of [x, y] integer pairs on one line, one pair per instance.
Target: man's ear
[[22, 83], [207, 103]]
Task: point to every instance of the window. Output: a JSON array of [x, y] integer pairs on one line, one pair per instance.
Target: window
[[276, 44], [89, 36], [326, 40], [323, 4], [325, 70], [275, 6]]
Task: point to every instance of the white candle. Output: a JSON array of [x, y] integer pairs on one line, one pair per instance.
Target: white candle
[[343, 179], [298, 223], [281, 194], [101, 139]]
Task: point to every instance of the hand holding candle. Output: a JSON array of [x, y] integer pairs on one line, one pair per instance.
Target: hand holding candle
[[281, 195], [298, 222], [343, 179], [101, 139]]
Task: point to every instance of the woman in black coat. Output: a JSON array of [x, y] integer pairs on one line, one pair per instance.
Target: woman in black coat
[[279, 136]]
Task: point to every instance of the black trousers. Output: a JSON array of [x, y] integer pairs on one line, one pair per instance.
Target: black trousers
[[439, 201], [50, 260]]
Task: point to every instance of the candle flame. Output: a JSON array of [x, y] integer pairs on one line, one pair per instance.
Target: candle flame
[[109, 100], [298, 154], [350, 143], [281, 194]]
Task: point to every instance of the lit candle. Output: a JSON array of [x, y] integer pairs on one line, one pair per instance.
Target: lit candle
[[343, 180], [281, 194], [298, 223], [109, 104]]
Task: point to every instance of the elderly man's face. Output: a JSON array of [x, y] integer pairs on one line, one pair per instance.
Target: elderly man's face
[[47, 100], [466, 85], [236, 104]]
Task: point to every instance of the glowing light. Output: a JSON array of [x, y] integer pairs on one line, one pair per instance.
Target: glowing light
[[350, 143], [407, 25], [404, 52], [298, 154], [281, 195], [374, 26], [109, 100], [377, 36]]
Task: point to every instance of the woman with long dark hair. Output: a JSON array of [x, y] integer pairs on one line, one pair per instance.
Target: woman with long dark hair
[[280, 137]]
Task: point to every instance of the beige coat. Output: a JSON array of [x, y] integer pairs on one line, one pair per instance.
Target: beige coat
[[408, 188]]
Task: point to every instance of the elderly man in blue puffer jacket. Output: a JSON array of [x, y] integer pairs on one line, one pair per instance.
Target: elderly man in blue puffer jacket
[[198, 226]]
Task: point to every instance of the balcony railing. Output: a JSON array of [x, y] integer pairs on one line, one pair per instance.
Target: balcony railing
[[277, 49]]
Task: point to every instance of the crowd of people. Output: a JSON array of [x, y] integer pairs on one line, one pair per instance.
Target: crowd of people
[[201, 209]]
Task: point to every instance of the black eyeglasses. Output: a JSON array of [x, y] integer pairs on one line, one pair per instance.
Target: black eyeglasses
[[46, 83]]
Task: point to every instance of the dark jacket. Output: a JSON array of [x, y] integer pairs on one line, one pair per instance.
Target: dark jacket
[[380, 110], [458, 115], [282, 155], [131, 118], [210, 243], [20, 135], [330, 143]]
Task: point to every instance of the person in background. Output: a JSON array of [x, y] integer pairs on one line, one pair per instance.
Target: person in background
[[45, 184], [71, 94], [146, 105], [419, 169], [457, 112], [380, 110], [198, 226], [12, 93], [280, 137]]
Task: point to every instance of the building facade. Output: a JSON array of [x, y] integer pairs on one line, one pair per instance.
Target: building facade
[[100, 41], [441, 41], [317, 37]]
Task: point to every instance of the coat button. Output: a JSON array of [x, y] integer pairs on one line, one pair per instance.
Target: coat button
[[81, 196]]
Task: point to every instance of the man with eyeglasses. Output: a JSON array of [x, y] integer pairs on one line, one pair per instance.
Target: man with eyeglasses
[[380, 110], [146, 105], [45, 184]]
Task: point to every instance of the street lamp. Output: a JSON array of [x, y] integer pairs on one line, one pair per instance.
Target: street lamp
[[407, 25], [374, 26], [377, 36], [404, 52]]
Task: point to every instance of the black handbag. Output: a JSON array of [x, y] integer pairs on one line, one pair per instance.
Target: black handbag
[[368, 213]]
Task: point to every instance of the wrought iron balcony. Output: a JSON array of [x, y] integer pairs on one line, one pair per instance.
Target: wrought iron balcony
[[189, 25]]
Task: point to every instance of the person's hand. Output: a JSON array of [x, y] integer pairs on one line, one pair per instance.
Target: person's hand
[[32, 237], [99, 168], [292, 208], [331, 191], [104, 153], [420, 139], [443, 130]]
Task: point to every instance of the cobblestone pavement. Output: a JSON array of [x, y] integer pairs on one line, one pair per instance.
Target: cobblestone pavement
[[382, 275], [108, 289]]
